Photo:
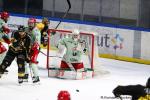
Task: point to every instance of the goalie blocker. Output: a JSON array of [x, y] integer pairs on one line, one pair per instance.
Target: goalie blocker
[[71, 66]]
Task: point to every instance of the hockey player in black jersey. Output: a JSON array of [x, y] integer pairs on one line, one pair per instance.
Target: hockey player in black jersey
[[19, 48], [138, 92]]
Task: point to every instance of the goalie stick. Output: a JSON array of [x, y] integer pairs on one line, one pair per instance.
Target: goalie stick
[[48, 55], [70, 66]]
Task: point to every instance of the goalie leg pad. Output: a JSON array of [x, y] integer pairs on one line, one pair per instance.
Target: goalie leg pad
[[76, 66], [64, 65]]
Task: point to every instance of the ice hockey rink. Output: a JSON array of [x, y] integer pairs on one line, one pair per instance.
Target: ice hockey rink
[[98, 88]]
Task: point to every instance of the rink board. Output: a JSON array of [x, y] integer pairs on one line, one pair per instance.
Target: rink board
[[119, 41]]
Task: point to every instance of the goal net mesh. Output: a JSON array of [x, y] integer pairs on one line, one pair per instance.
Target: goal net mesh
[[90, 57]]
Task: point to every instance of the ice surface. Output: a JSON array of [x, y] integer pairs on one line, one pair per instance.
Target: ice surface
[[120, 73]]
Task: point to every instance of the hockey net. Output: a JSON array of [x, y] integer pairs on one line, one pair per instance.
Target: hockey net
[[87, 58]]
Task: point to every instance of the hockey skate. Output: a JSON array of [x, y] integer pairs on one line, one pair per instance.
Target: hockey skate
[[1, 71], [36, 79], [25, 78], [6, 71], [1, 74], [20, 80]]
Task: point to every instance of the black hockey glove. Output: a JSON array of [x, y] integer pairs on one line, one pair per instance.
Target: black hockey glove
[[28, 60], [84, 50]]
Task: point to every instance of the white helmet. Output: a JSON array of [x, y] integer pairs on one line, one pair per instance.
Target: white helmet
[[75, 32]]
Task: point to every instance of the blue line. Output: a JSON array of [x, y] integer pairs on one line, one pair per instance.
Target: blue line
[[85, 22]]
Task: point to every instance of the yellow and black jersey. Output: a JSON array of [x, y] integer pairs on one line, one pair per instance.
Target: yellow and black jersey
[[147, 97]]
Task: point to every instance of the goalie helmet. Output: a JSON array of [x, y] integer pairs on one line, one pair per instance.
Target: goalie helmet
[[32, 20], [64, 95], [75, 32]]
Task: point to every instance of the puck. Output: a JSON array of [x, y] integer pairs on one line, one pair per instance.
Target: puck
[[77, 90]]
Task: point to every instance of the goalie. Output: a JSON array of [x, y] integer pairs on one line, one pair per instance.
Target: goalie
[[71, 49]]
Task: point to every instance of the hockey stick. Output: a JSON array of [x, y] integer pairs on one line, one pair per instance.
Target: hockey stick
[[69, 4], [120, 98], [48, 55], [29, 65]]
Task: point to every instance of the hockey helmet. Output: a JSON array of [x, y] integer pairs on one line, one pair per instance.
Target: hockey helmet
[[4, 15], [64, 95], [45, 21], [21, 28], [148, 83], [31, 20], [75, 34]]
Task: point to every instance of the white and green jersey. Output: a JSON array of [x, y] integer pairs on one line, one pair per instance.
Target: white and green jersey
[[35, 35], [2, 23], [74, 52]]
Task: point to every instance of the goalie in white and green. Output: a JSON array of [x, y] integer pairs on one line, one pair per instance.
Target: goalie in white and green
[[71, 50]]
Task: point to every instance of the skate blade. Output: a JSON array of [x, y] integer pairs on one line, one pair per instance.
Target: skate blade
[[37, 83], [28, 84], [5, 73], [19, 84], [1, 75], [25, 80]]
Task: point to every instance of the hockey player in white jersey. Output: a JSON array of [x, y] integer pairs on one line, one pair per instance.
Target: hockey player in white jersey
[[73, 52], [4, 30], [35, 35]]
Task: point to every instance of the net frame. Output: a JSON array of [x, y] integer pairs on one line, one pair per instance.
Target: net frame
[[69, 32]]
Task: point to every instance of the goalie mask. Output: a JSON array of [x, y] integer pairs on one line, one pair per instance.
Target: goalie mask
[[75, 34]]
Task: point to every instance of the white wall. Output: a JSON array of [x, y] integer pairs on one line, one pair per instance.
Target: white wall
[[145, 46], [129, 9]]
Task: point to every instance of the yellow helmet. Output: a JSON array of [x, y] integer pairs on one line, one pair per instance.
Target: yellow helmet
[[45, 21]]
